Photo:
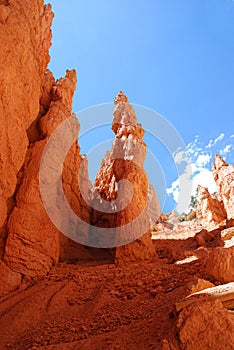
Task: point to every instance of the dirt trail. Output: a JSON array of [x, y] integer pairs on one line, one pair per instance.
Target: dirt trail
[[95, 305]]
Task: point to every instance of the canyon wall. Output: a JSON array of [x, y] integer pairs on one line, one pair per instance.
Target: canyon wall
[[32, 105], [25, 37], [34, 244]]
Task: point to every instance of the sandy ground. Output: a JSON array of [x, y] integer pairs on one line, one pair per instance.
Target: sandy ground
[[94, 305]]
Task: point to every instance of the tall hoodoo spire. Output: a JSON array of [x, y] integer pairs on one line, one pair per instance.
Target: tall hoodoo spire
[[125, 161]]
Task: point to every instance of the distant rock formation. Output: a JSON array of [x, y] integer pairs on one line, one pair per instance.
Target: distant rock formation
[[210, 210], [218, 209], [220, 264], [224, 177]]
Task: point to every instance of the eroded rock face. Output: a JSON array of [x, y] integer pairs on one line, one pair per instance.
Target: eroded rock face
[[154, 210], [218, 209], [24, 42], [220, 264], [224, 177], [9, 280], [208, 239], [32, 106], [29, 242], [125, 161], [206, 325], [210, 210], [34, 244], [228, 233], [199, 285]]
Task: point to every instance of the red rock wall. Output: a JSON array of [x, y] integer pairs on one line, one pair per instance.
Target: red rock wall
[[33, 243], [25, 37], [32, 105]]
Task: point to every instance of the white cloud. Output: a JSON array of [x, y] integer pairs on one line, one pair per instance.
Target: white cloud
[[182, 189], [191, 151], [203, 159], [219, 138], [213, 142], [186, 185], [174, 189], [226, 150], [196, 171], [205, 179], [180, 157]]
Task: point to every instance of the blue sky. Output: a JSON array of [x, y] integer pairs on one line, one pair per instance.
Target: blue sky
[[175, 57]]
